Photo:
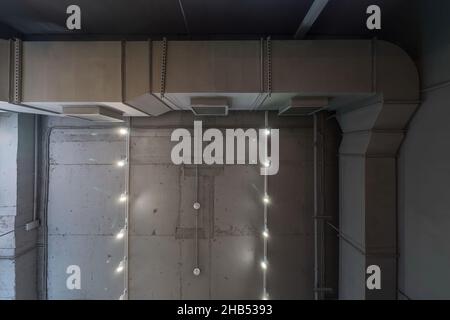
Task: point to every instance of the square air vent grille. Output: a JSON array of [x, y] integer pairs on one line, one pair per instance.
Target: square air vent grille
[[210, 111], [290, 111], [303, 106], [93, 113], [209, 106]]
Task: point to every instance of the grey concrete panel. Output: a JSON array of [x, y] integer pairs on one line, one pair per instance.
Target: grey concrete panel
[[84, 199], [195, 287], [155, 199], [352, 195], [423, 200], [8, 159], [352, 276], [296, 146], [97, 257], [290, 274], [291, 210], [155, 267], [151, 146], [26, 284], [236, 264], [243, 217], [86, 146], [7, 277]]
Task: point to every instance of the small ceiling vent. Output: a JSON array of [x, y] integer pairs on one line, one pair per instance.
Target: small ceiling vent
[[93, 113], [303, 106], [209, 106]]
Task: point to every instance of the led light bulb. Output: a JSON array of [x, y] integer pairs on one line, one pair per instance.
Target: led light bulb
[[267, 132], [123, 131], [264, 265], [121, 163], [266, 163], [265, 233], [266, 199], [120, 234], [123, 197], [120, 267]]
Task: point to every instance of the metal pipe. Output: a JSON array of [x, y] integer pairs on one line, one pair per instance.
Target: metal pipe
[[322, 201], [196, 218], [316, 278], [36, 159]]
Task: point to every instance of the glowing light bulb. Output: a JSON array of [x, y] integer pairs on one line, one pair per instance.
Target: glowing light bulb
[[123, 197], [264, 265], [265, 296], [123, 131], [120, 267], [121, 163], [267, 132], [265, 233], [266, 199], [120, 234], [266, 164]]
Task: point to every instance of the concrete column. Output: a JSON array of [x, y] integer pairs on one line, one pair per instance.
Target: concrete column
[[17, 246], [372, 136]]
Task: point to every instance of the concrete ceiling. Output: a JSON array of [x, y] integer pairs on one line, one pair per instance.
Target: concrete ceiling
[[194, 18]]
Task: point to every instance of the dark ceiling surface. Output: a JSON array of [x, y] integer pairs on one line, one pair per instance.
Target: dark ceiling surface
[[193, 18], [157, 17], [202, 19]]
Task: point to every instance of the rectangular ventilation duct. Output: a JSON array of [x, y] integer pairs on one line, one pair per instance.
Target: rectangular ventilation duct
[[209, 106], [303, 106], [93, 113]]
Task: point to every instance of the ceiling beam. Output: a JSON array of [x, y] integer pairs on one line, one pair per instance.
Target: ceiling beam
[[184, 17], [313, 13]]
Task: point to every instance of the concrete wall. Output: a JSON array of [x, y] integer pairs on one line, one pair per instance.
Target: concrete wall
[[17, 246], [423, 164], [162, 220], [84, 213]]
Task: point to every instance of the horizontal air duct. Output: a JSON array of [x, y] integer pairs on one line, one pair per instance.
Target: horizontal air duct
[[149, 78]]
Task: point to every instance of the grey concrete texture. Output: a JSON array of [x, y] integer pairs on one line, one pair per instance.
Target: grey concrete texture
[[162, 219], [423, 188], [17, 246], [84, 212], [424, 203]]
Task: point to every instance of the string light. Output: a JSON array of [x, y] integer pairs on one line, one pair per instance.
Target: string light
[[120, 267], [123, 131], [264, 265], [120, 234], [266, 201], [123, 197], [121, 163]]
